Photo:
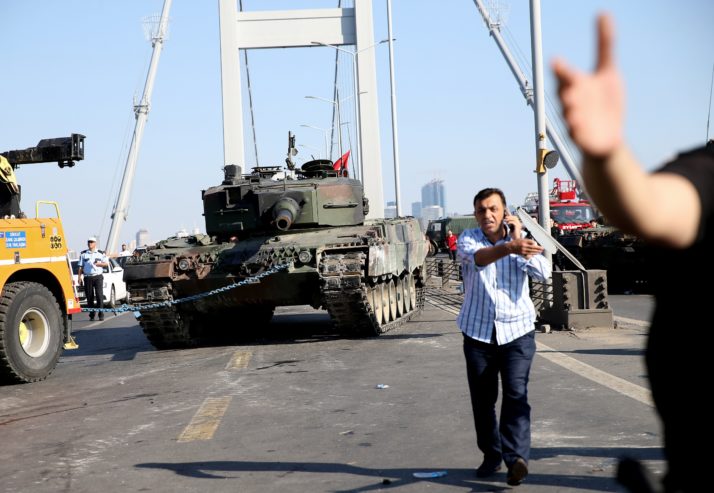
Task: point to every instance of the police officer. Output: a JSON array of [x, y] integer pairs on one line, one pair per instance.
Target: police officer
[[91, 266]]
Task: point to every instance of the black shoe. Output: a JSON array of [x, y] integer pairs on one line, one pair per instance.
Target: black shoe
[[101, 317], [517, 472], [91, 317], [488, 468]]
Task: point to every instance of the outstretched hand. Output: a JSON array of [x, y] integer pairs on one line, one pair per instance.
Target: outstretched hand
[[525, 247], [593, 103]]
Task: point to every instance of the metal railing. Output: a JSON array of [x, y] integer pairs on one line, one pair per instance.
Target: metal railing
[[444, 269]]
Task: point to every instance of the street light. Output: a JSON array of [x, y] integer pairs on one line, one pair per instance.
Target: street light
[[324, 134], [354, 54], [339, 118]]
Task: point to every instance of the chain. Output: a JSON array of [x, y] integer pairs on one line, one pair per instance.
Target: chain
[[193, 297]]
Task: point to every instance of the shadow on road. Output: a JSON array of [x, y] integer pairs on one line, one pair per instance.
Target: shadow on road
[[126, 341], [639, 453], [384, 478]]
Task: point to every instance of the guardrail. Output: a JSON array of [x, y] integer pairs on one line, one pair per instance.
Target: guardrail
[[443, 268]]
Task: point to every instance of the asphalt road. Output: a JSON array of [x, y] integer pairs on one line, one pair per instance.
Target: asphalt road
[[300, 410]]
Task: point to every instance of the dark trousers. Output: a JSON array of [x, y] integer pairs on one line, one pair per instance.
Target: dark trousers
[[94, 286], [452, 254], [484, 362], [678, 368]]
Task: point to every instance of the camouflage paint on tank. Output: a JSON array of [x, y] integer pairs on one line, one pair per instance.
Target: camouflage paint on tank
[[312, 220]]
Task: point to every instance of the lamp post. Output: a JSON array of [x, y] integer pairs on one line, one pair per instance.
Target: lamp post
[[353, 54], [395, 138], [349, 143], [339, 121], [324, 134]]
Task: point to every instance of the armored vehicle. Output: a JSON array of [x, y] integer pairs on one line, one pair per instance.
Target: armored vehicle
[[437, 229], [280, 237]]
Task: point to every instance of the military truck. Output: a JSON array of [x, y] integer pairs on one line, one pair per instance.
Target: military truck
[[437, 229], [37, 299], [280, 237]]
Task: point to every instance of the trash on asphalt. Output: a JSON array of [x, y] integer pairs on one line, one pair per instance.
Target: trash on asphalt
[[427, 475], [382, 386]]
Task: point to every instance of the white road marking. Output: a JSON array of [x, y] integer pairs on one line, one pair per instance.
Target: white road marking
[[608, 380], [632, 321]]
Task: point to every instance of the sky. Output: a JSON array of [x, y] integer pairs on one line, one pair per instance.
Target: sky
[[78, 65]]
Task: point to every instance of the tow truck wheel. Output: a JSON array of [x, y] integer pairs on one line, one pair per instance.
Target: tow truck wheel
[[31, 332]]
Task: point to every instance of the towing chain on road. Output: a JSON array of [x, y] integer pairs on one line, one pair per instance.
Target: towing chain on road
[[193, 297]]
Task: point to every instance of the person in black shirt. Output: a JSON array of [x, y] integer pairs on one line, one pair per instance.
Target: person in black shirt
[[672, 208]]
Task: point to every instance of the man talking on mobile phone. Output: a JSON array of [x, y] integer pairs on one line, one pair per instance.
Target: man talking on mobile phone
[[498, 323]]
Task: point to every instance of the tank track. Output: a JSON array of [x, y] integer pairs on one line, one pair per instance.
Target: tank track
[[344, 294], [164, 327]]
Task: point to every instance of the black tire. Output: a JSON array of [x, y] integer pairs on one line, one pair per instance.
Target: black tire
[[31, 332], [113, 297]]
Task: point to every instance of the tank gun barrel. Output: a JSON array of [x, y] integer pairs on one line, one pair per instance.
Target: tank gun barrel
[[285, 212], [63, 150]]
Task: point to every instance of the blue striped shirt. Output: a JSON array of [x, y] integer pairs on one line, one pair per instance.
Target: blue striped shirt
[[497, 295]]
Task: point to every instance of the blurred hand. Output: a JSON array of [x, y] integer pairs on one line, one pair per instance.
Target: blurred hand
[[525, 247], [593, 104]]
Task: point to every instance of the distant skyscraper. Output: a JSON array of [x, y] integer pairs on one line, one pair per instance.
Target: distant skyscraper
[[432, 212], [391, 210], [429, 214], [142, 237], [416, 209], [433, 193]]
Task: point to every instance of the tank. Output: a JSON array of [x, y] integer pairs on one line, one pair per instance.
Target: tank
[[280, 237]]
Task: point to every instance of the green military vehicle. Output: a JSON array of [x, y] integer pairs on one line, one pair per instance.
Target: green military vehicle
[[280, 237], [437, 229]]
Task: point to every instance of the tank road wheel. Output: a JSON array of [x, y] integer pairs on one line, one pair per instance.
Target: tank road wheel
[[385, 302], [375, 295], [31, 332], [405, 293], [400, 296], [392, 300], [412, 292]]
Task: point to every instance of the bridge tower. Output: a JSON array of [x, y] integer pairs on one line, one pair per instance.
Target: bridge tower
[[298, 28]]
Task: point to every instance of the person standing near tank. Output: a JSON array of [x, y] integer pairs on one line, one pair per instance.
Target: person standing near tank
[[123, 254], [673, 208], [91, 269], [497, 319], [451, 241]]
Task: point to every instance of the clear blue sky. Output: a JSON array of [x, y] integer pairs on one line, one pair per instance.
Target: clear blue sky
[[75, 65]]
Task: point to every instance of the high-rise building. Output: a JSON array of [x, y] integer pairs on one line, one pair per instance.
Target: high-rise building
[[430, 213], [391, 210], [433, 193], [142, 237], [416, 209]]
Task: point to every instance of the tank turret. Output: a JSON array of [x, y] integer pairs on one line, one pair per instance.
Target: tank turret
[[271, 200]]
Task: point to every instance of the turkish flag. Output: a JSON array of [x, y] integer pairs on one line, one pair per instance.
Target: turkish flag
[[341, 164]]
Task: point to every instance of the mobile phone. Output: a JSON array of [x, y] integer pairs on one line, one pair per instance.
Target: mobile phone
[[507, 227]]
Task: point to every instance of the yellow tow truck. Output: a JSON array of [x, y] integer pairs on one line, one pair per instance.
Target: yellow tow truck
[[38, 298]]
